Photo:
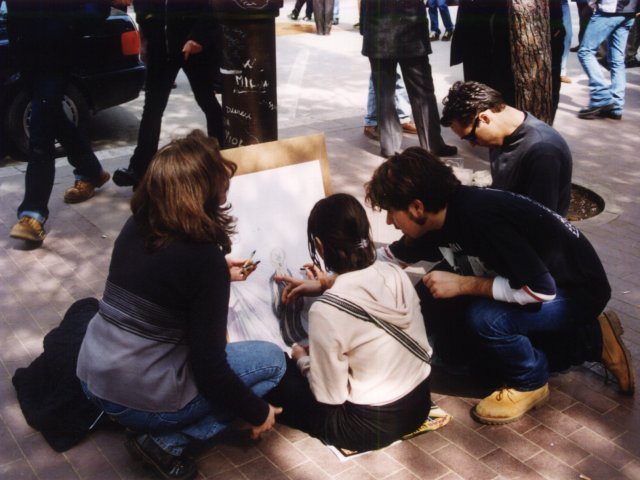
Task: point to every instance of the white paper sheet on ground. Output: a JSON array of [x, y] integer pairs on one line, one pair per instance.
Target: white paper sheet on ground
[[271, 208]]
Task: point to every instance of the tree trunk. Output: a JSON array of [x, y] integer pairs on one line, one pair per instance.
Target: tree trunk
[[531, 57]]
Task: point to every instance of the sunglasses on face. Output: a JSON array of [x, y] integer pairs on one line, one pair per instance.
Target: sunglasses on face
[[471, 136]]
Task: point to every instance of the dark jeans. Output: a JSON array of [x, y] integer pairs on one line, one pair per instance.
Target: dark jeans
[[48, 123], [510, 343], [350, 426], [161, 73], [416, 72]]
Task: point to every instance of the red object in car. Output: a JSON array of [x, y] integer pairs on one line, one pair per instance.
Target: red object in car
[[130, 43]]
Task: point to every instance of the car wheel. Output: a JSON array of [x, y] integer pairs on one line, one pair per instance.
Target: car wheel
[[19, 117]]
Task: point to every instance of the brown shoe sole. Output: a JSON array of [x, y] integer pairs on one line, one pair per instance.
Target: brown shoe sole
[[502, 421], [618, 330]]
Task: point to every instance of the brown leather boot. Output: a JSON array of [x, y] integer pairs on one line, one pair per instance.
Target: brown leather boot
[[508, 405], [615, 355], [83, 190]]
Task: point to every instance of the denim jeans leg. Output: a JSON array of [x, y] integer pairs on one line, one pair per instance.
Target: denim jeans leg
[[47, 90], [503, 332], [384, 72], [566, 22], [446, 15], [597, 31], [371, 118], [617, 45], [259, 365], [433, 16], [403, 107], [77, 147]]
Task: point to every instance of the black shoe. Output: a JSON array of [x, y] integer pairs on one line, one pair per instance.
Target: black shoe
[[294, 14], [335, 21], [445, 151], [166, 465], [610, 114], [632, 63], [590, 113], [447, 36], [125, 177], [574, 49]]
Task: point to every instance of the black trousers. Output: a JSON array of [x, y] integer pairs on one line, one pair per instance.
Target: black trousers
[[416, 72], [350, 426], [161, 73]]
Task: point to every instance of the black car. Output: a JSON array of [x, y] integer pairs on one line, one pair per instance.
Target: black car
[[108, 72]]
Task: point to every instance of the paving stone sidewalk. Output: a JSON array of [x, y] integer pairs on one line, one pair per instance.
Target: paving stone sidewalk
[[586, 428]]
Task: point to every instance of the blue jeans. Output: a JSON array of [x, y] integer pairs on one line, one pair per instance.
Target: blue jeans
[[48, 123], [260, 366], [615, 30], [566, 23], [503, 333], [434, 6], [403, 107]]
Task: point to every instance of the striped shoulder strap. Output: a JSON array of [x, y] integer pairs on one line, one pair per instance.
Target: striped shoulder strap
[[357, 311]]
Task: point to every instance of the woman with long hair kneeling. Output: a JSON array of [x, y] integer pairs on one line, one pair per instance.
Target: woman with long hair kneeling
[[155, 356], [367, 376]]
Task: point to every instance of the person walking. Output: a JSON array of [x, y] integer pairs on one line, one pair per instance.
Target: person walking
[[395, 32], [43, 39], [179, 34], [611, 21]]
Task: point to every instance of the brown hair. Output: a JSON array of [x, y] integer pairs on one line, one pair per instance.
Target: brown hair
[[414, 174], [180, 195], [341, 224]]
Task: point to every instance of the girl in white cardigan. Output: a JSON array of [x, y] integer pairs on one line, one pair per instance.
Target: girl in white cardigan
[[364, 388]]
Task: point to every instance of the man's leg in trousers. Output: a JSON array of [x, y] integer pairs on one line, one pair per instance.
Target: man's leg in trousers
[[416, 72], [384, 80], [160, 77], [201, 77], [76, 146], [503, 333], [48, 89]]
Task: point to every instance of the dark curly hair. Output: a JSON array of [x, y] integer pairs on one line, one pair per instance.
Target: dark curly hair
[[466, 99], [414, 174]]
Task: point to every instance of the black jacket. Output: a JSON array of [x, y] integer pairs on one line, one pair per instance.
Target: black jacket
[[169, 24], [48, 390], [394, 28], [43, 33]]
